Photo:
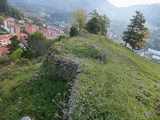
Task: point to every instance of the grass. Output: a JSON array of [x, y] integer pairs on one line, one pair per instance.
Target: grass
[[25, 92], [115, 84], [122, 88]]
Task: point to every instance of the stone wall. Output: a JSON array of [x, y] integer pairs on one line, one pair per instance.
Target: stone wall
[[59, 67]]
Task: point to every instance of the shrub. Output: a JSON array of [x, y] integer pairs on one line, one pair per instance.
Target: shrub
[[16, 54], [73, 31], [61, 37], [22, 62], [4, 59]]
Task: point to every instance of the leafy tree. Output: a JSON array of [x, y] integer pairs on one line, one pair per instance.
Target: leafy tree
[[27, 53], [98, 23], [14, 44], [16, 54], [80, 16], [136, 33], [73, 31], [38, 44]]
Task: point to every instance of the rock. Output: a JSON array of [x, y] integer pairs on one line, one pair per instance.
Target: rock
[[157, 85], [26, 118]]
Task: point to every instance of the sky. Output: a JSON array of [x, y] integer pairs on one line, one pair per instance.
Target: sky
[[124, 3]]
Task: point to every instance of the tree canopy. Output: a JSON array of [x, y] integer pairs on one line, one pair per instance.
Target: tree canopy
[[98, 23], [14, 44], [136, 33], [80, 16], [7, 10], [38, 44]]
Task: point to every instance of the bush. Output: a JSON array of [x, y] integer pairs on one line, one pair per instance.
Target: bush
[[4, 59], [73, 31], [83, 33], [22, 62], [61, 37], [16, 54]]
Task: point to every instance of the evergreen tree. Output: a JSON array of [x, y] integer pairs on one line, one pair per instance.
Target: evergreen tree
[[104, 24], [93, 25], [14, 44], [7, 10], [136, 33], [3, 6], [98, 23]]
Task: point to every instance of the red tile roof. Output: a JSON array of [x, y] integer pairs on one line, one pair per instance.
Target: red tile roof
[[9, 19]]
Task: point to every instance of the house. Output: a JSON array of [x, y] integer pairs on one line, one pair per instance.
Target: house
[[21, 21], [52, 36], [45, 32], [23, 38], [56, 30], [4, 41], [15, 30], [9, 22], [31, 29], [3, 50]]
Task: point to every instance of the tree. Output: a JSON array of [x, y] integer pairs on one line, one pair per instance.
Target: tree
[[7, 10], [98, 23], [104, 24], [93, 25], [73, 31], [80, 16], [14, 44], [136, 33], [3, 6], [16, 54], [27, 53], [38, 44]]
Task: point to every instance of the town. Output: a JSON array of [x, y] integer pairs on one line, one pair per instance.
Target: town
[[14, 27]]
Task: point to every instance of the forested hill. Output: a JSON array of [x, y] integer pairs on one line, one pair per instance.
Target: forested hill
[[7, 10]]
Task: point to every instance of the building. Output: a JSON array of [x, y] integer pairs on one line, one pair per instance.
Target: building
[[23, 38], [56, 30], [31, 29], [4, 41], [15, 30], [9, 22], [45, 32], [52, 36]]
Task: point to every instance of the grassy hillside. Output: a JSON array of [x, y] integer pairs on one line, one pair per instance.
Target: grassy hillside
[[114, 83]]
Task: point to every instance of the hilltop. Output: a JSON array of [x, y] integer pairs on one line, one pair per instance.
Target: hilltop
[[83, 78]]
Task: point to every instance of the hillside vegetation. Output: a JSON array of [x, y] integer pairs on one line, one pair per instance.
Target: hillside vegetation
[[113, 83]]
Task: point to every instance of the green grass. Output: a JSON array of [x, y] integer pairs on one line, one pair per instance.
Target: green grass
[[115, 84], [122, 88], [25, 92]]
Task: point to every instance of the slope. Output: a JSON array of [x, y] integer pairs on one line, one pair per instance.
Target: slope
[[115, 83], [112, 82]]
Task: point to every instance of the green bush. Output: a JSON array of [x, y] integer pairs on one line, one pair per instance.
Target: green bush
[[22, 62], [73, 31], [83, 33], [16, 54], [4, 59], [61, 37]]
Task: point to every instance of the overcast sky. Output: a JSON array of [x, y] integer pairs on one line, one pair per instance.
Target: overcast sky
[[124, 3]]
